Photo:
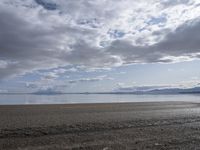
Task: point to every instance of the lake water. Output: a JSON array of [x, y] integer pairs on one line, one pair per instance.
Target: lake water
[[91, 98]]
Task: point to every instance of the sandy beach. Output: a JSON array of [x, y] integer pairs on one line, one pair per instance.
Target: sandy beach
[[153, 125]]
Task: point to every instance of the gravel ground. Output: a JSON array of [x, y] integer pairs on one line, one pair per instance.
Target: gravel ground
[[154, 125]]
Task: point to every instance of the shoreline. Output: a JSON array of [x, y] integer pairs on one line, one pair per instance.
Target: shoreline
[[99, 103], [94, 103]]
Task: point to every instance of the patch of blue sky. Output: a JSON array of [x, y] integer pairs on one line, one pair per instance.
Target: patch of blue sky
[[104, 43], [28, 77], [157, 20], [152, 74], [12, 85], [142, 29], [116, 33]]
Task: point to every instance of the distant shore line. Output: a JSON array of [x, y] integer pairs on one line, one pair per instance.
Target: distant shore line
[[105, 93]]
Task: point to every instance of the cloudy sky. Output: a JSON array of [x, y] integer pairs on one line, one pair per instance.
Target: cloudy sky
[[98, 45]]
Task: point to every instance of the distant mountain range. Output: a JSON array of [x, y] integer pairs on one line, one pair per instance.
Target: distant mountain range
[[194, 90], [136, 91]]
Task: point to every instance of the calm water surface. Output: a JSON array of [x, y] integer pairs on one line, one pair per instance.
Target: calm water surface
[[91, 98]]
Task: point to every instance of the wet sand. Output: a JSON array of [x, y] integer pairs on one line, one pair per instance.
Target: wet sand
[[159, 125]]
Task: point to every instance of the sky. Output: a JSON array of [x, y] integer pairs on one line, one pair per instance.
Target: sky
[[98, 45]]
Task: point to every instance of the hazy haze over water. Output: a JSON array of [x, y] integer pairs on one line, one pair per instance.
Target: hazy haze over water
[[91, 98]]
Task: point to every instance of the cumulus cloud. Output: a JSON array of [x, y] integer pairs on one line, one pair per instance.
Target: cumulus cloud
[[50, 76], [49, 85], [42, 35], [181, 43], [95, 79], [47, 91]]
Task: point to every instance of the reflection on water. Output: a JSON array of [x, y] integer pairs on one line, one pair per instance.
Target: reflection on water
[[91, 98]]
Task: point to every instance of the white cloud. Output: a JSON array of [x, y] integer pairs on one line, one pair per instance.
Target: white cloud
[[3, 64], [95, 34], [60, 71], [94, 79], [72, 70], [3, 91], [50, 76]]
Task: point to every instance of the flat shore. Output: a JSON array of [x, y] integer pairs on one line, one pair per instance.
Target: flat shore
[[117, 126]]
